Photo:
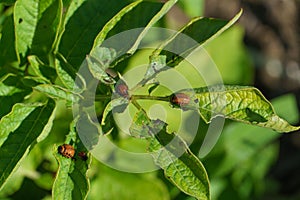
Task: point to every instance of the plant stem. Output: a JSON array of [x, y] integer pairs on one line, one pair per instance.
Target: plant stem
[[148, 97], [136, 97], [136, 104]]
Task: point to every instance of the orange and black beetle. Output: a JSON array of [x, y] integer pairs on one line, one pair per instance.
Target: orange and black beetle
[[66, 150], [180, 99]]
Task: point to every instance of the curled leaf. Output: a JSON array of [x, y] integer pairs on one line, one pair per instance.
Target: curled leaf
[[240, 103]]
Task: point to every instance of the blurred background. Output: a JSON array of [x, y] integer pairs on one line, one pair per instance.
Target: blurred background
[[263, 50]]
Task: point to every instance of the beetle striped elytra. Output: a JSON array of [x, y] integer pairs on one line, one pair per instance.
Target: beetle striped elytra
[[66, 150], [180, 99]]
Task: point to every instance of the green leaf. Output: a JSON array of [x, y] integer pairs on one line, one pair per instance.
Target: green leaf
[[104, 56], [174, 50], [88, 130], [199, 31], [166, 7], [12, 91], [139, 126], [17, 140], [44, 72], [71, 180], [58, 93], [12, 121], [7, 87], [172, 154], [180, 165], [157, 64], [7, 43], [136, 15], [113, 22], [83, 25], [67, 75], [65, 78], [254, 139], [99, 61], [36, 24], [240, 103], [69, 7], [246, 153], [116, 105]]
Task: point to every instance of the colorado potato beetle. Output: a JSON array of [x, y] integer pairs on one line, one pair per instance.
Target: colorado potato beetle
[[66, 150], [180, 99], [122, 89]]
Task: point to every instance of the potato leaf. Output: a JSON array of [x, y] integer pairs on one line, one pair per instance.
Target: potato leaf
[[8, 52], [67, 75], [130, 18], [12, 91], [172, 154], [71, 181], [45, 73], [57, 92], [240, 103], [84, 21], [20, 130], [36, 25], [197, 32], [99, 61]]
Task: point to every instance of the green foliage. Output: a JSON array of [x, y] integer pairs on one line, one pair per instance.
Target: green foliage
[[245, 158], [201, 30], [84, 20], [241, 103], [37, 27], [172, 154], [103, 58], [8, 52], [71, 180], [42, 46], [17, 141]]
